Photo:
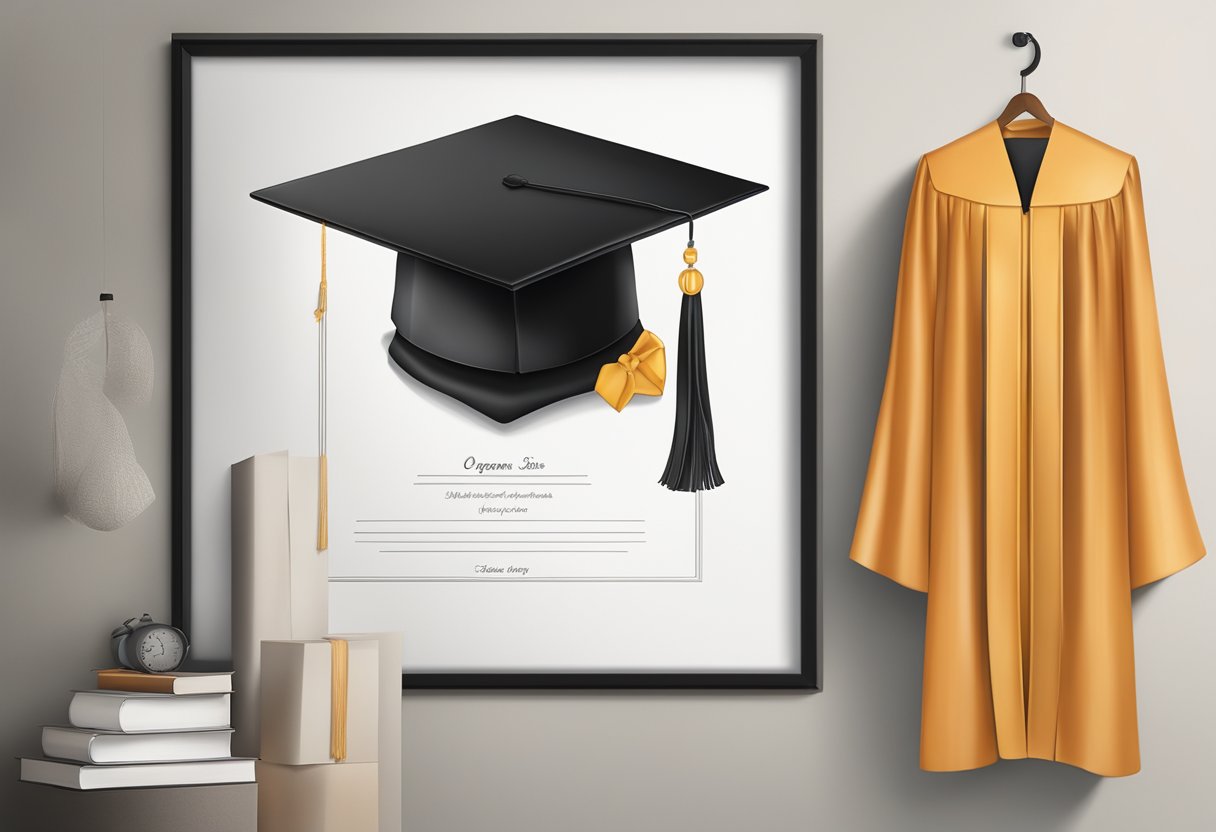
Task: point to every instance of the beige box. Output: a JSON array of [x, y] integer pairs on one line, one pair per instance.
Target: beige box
[[297, 700], [391, 648], [280, 582], [326, 798]]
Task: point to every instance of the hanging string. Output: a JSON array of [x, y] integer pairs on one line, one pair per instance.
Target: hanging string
[[322, 397], [101, 149]]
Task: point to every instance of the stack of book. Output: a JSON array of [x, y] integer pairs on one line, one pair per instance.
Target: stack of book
[[139, 730]]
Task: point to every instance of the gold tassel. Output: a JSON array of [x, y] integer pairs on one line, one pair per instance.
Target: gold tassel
[[322, 391], [323, 505], [693, 462], [319, 312], [338, 690]]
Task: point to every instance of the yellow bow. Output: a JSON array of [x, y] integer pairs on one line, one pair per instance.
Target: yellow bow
[[642, 370]]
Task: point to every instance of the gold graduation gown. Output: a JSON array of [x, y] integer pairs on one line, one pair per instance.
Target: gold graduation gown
[[1025, 471]]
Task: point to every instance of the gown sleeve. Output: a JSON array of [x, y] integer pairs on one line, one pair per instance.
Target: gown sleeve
[[1163, 533], [892, 533]]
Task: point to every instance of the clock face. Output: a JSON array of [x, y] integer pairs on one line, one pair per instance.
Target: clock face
[[161, 649]]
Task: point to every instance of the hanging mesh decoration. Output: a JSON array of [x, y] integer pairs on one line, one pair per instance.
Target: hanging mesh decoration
[[107, 364]]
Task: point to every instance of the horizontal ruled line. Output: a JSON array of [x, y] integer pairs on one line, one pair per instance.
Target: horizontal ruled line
[[502, 520], [513, 542], [500, 476], [549, 579], [530, 531], [504, 551], [484, 482]]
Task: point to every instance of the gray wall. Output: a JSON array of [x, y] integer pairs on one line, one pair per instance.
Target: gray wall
[[900, 78]]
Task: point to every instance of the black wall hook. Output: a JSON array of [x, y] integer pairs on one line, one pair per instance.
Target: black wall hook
[[1021, 39]]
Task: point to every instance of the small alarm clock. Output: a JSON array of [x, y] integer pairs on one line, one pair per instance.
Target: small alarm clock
[[143, 644]]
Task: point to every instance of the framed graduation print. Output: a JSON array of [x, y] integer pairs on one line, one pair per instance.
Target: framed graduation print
[[545, 311]]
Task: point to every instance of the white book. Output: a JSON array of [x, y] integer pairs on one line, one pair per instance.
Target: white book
[[79, 776], [88, 745], [128, 712]]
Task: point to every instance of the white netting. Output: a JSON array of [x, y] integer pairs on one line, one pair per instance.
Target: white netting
[[97, 478]]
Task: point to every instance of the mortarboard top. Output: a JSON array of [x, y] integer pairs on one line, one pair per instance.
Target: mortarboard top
[[443, 201], [477, 315]]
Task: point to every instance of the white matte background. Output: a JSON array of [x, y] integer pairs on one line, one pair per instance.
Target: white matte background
[[900, 78], [260, 122]]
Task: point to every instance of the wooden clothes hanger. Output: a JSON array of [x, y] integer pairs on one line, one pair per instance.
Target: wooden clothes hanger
[[1025, 102]]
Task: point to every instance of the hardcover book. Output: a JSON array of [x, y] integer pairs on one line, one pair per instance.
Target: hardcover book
[[129, 712], [89, 745], [179, 682], [70, 775]]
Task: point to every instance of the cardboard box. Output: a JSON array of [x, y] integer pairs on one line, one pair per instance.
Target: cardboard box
[[391, 647], [280, 582], [325, 798], [297, 701]]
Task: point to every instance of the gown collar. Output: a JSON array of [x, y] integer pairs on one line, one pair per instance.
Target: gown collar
[[1076, 168]]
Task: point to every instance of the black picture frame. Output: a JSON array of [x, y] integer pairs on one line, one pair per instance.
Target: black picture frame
[[804, 48]]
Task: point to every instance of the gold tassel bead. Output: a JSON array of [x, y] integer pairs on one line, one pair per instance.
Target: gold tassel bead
[[691, 281], [690, 255]]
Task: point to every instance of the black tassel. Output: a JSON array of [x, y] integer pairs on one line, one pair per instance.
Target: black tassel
[[693, 463]]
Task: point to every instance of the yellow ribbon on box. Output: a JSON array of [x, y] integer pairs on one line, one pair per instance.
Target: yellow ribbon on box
[[641, 371], [339, 689]]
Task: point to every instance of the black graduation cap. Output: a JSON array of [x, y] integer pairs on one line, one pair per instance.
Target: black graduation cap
[[515, 280]]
